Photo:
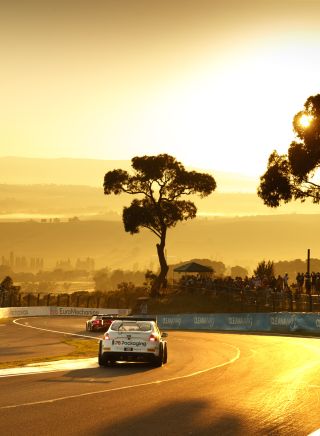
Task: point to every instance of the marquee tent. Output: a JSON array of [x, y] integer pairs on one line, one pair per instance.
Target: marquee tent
[[193, 267]]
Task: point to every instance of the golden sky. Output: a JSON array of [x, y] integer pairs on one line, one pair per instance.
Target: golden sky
[[215, 83]]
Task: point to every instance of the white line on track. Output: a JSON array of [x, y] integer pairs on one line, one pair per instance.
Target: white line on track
[[51, 366], [15, 321], [121, 388], [156, 382]]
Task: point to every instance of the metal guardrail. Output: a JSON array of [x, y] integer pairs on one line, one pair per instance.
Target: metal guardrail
[[272, 322], [9, 312]]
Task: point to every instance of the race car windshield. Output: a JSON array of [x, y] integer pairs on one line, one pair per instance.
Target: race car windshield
[[129, 326]]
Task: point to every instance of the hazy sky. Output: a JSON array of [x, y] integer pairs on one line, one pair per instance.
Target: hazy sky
[[213, 82]]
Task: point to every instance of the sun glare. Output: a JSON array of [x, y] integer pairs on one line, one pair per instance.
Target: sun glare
[[305, 120]]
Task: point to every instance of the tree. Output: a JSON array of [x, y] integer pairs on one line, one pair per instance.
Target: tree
[[265, 271], [8, 292], [102, 280], [292, 176], [238, 271], [150, 278], [159, 181]]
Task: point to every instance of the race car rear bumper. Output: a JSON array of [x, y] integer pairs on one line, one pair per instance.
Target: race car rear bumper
[[129, 356]]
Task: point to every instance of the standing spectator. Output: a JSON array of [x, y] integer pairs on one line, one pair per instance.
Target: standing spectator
[[286, 282], [313, 281], [273, 284], [300, 282], [318, 283], [279, 287], [307, 283]]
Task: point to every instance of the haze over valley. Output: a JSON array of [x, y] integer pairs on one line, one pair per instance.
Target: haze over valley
[[52, 218], [234, 241], [64, 188]]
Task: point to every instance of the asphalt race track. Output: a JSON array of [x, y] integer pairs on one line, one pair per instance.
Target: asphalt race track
[[213, 384]]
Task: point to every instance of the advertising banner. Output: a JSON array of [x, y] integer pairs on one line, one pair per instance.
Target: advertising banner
[[15, 312], [276, 322], [84, 311], [282, 322]]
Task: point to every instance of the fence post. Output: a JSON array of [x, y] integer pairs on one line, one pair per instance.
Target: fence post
[[310, 302], [273, 302]]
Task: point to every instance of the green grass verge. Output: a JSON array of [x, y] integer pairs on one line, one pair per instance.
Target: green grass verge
[[83, 348]]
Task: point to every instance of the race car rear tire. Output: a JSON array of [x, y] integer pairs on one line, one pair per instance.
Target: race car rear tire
[[159, 359], [102, 357], [165, 354]]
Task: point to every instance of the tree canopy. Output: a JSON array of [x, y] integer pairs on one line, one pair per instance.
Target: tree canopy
[[294, 175], [8, 292], [265, 270], [159, 182]]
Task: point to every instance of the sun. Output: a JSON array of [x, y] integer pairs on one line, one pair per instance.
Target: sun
[[305, 120]]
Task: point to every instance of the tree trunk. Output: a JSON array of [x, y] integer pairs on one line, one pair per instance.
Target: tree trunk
[[161, 281]]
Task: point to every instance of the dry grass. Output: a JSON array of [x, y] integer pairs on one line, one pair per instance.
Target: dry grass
[[83, 348]]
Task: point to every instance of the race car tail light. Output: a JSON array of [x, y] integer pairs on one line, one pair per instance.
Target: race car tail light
[[153, 338], [106, 336]]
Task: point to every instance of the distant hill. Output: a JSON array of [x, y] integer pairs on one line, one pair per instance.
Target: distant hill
[[26, 171], [40, 201], [234, 241], [64, 171]]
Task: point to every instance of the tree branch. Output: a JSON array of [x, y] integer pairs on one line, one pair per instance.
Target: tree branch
[[312, 183]]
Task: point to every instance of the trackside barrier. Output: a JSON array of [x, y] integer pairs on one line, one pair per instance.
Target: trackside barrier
[[12, 312], [277, 322]]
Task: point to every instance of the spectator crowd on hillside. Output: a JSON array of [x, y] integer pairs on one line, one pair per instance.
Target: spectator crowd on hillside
[[304, 283]]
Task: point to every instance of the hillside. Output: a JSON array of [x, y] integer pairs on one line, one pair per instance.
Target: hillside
[[234, 241], [67, 171], [65, 201]]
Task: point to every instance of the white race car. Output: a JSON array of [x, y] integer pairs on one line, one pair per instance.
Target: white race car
[[133, 339]]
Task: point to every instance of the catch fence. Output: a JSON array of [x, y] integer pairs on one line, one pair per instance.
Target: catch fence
[[221, 300]]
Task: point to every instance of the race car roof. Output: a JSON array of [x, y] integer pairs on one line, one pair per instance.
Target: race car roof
[[137, 318]]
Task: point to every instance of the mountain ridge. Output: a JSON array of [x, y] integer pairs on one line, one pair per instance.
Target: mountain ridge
[[76, 171], [234, 241], [89, 201]]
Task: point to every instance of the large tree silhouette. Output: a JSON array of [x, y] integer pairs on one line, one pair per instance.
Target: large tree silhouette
[[8, 292], [159, 182], [293, 176]]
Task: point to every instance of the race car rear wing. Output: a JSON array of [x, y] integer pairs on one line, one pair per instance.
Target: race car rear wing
[[136, 318]]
